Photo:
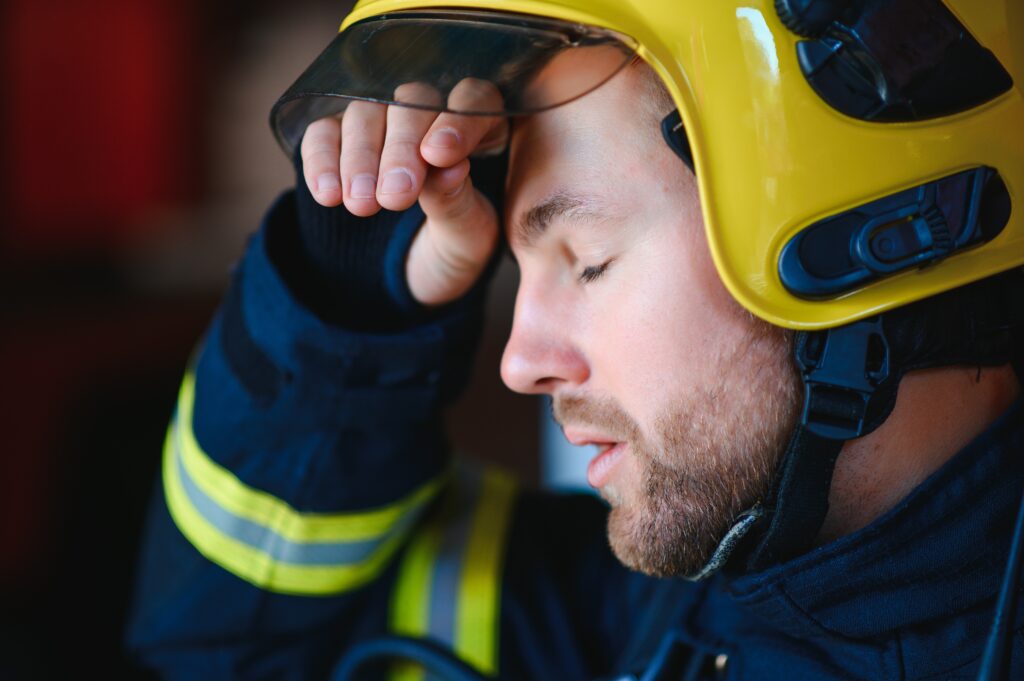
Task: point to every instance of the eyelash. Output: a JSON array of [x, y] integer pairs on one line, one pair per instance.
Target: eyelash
[[593, 272]]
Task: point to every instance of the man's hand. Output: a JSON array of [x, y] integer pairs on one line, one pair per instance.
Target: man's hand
[[378, 156]]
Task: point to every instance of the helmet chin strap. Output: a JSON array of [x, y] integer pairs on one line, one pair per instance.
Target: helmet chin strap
[[850, 375]]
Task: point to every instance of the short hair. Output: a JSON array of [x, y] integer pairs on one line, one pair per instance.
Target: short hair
[[656, 100]]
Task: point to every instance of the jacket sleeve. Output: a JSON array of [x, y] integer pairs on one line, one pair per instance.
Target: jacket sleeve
[[298, 461]]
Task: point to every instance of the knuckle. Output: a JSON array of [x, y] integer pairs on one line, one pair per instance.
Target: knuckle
[[319, 143], [401, 147], [320, 161], [359, 148], [357, 166], [476, 86], [475, 91], [319, 151], [457, 207], [417, 93], [361, 127], [317, 134]]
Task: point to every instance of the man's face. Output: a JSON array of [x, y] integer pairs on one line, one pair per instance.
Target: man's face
[[621, 318]]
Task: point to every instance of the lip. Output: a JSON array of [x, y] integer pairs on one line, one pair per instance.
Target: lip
[[580, 437], [602, 466], [610, 450]]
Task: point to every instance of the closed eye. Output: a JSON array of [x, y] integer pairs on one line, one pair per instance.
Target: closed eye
[[593, 272]]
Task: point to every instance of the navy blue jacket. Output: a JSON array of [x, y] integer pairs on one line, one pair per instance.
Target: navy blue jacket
[[308, 502]]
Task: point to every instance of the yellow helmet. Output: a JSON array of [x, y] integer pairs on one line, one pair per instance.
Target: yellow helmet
[[852, 156]]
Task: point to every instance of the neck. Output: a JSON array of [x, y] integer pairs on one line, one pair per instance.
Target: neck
[[937, 413]]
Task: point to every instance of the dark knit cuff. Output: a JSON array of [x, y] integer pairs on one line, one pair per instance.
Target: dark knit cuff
[[349, 271]]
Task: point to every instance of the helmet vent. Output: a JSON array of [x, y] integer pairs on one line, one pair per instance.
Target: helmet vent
[[896, 60]]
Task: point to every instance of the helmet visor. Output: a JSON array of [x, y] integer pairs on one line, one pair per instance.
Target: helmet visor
[[466, 62]]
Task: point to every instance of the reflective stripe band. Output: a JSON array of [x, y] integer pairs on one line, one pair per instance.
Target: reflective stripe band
[[476, 636], [262, 539], [265, 509], [449, 582]]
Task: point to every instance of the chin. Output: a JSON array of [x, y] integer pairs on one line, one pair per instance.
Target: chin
[[630, 548], [659, 540]]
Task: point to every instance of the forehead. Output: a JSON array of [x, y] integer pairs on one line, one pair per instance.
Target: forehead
[[599, 153]]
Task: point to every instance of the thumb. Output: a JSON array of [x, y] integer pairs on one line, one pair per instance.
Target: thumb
[[457, 240]]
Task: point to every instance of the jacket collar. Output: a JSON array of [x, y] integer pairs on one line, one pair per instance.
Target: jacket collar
[[941, 550]]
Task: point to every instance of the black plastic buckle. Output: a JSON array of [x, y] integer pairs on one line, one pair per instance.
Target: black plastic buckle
[[841, 369]]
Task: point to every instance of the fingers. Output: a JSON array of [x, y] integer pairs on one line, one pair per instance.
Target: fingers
[[402, 169], [453, 137], [319, 152], [362, 138], [378, 156]]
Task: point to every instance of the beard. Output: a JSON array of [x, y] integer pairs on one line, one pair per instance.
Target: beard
[[711, 456]]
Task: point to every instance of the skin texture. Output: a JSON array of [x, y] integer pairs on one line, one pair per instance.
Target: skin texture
[[622, 319], [653, 352]]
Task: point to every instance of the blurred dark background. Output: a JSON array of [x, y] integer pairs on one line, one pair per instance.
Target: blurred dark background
[[136, 158]]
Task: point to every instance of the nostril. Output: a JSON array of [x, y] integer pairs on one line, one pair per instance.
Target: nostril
[[540, 355], [542, 370]]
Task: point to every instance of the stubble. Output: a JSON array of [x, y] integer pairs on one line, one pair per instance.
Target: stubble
[[711, 456]]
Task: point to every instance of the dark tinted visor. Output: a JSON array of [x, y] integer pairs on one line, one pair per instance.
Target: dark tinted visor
[[438, 60]]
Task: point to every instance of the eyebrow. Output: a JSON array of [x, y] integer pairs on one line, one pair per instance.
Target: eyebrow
[[560, 205]]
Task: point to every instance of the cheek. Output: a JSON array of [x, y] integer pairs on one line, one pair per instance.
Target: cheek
[[665, 321]]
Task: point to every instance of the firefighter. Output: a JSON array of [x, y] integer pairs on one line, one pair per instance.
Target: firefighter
[[769, 265]]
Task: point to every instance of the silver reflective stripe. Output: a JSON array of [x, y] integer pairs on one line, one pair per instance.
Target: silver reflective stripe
[[448, 587], [270, 542], [448, 569]]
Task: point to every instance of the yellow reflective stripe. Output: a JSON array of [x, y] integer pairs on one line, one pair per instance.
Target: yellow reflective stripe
[[410, 603], [410, 606], [262, 564], [255, 566], [478, 596], [478, 607], [264, 509]]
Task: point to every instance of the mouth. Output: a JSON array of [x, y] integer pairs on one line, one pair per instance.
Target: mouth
[[609, 453], [601, 467]]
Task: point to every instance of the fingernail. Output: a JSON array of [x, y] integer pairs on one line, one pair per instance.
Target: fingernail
[[443, 138], [396, 181], [326, 183], [364, 186]]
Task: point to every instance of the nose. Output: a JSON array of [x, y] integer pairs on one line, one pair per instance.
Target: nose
[[540, 355]]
